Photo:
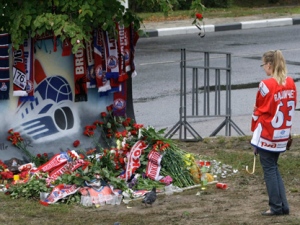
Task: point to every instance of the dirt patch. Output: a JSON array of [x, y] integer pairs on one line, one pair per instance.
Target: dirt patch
[[241, 203]]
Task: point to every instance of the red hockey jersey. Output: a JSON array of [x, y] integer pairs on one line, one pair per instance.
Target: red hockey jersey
[[272, 118]]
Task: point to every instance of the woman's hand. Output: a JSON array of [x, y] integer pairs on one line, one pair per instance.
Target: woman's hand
[[254, 108]]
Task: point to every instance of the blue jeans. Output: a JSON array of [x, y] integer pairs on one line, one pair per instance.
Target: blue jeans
[[275, 187]]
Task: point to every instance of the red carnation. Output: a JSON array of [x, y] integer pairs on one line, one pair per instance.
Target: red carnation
[[109, 108], [10, 131], [76, 143], [199, 16], [103, 114]]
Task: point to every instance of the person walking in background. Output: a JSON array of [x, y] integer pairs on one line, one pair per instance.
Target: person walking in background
[[271, 125]]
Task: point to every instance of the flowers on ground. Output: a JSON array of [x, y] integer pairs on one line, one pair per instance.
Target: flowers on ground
[[130, 156]]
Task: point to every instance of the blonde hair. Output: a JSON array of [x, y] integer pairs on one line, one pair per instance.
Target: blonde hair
[[277, 61]]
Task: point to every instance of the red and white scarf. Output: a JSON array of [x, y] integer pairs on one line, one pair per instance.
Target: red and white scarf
[[29, 59], [19, 73], [133, 159], [153, 166], [80, 75]]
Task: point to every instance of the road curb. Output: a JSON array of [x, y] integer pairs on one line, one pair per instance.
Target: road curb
[[222, 27]]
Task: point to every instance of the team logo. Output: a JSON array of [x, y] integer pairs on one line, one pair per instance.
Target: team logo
[[268, 145], [3, 87], [29, 86], [119, 104], [126, 55], [99, 71], [112, 62]]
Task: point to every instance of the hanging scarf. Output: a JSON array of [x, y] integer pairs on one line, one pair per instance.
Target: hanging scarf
[[120, 98], [133, 40], [91, 76], [80, 76], [112, 61], [4, 66], [123, 49], [66, 47], [28, 58], [19, 73], [103, 84]]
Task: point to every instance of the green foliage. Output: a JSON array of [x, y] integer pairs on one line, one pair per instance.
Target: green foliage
[[74, 19], [30, 189], [218, 3], [165, 6]]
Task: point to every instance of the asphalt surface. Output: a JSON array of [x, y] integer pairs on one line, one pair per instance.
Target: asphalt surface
[[164, 28], [237, 124]]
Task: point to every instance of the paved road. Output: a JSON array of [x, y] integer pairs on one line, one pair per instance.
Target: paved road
[[156, 88]]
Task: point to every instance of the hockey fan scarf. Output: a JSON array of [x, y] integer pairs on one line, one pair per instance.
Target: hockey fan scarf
[[125, 58], [80, 76], [91, 79], [28, 58], [112, 61], [4, 66], [133, 159], [133, 40], [102, 83], [153, 166], [19, 73], [124, 52]]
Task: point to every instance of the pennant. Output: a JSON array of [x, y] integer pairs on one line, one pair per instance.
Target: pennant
[[120, 98]]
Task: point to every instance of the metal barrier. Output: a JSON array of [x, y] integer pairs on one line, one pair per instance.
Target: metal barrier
[[206, 90]]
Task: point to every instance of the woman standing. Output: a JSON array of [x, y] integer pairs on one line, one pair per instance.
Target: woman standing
[[271, 126]]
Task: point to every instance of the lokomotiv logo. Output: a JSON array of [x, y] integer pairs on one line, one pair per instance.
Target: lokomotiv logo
[[265, 144]]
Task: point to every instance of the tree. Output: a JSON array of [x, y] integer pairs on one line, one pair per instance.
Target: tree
[[73, 19]]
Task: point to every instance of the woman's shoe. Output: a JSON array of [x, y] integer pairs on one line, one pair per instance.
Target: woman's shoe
[[270, 213]]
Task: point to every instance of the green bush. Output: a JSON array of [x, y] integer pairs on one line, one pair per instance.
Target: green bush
[[184, 4], [217, 3], [152, 6], [143, 6]]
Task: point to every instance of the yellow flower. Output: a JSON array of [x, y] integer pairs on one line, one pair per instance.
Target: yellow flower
[[119, 144]]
